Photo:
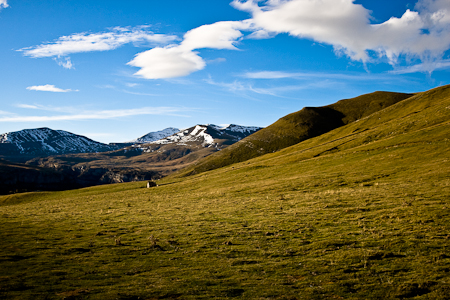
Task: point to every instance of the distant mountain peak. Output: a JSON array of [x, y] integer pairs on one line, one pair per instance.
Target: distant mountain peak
[[208, 134], [45, 141], [154, 136]]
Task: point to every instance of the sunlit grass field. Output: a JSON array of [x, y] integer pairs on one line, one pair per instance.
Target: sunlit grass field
[[362, 212]]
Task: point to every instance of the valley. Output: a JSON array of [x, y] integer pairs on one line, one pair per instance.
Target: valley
[[150, 157]]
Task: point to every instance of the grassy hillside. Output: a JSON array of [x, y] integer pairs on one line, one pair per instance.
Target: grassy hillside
[[360, 212], [296, 127]]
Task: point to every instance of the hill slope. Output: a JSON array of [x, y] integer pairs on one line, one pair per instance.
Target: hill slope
[[360, 212], [299, 126]]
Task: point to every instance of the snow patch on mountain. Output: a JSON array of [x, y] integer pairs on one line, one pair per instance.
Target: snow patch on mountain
[[236, 128], [154, 136], [46, 141], [208, 134]]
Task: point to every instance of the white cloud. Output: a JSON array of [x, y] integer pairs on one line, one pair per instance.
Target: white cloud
[[261, 34], [432, 6], [336, 22], [49, 88], [422, 34], [96, 115], [167, 62], [182, 60], [418, 35], [3, 3], [220, 35]]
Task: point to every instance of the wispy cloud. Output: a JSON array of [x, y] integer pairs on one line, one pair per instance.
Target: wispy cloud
[[217, 60], [93, 115], [49, 88], [426, 67], [139, 93], [262, 82], [59, 109], [64, 62], [241, 87], [131, 84], [90, 42], [106, 86], [27, 106], [311, 75], [3, 3], [2, 112], [232, 86]]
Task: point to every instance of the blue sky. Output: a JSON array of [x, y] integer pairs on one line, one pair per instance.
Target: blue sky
[[115, 70]]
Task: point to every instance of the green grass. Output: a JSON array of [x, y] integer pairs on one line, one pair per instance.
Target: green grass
[[297, 127], [361, 212]]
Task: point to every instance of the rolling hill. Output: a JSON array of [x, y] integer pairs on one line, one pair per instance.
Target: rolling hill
[[359, 212], [299, 126]]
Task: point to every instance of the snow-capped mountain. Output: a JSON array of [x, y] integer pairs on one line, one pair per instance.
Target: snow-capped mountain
[[154, 136], [209, 135], [45, 141]]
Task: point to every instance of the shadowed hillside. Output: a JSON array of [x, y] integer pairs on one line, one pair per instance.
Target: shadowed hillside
[[296, 127], [16, 177]]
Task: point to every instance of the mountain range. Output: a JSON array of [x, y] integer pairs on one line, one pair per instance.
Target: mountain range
[[199, 148], [151, 156], [30, 143], [209, 135]]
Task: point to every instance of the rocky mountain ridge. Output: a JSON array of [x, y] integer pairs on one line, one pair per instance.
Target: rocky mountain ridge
[[208, 135], [154, 136], [40, 142]]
